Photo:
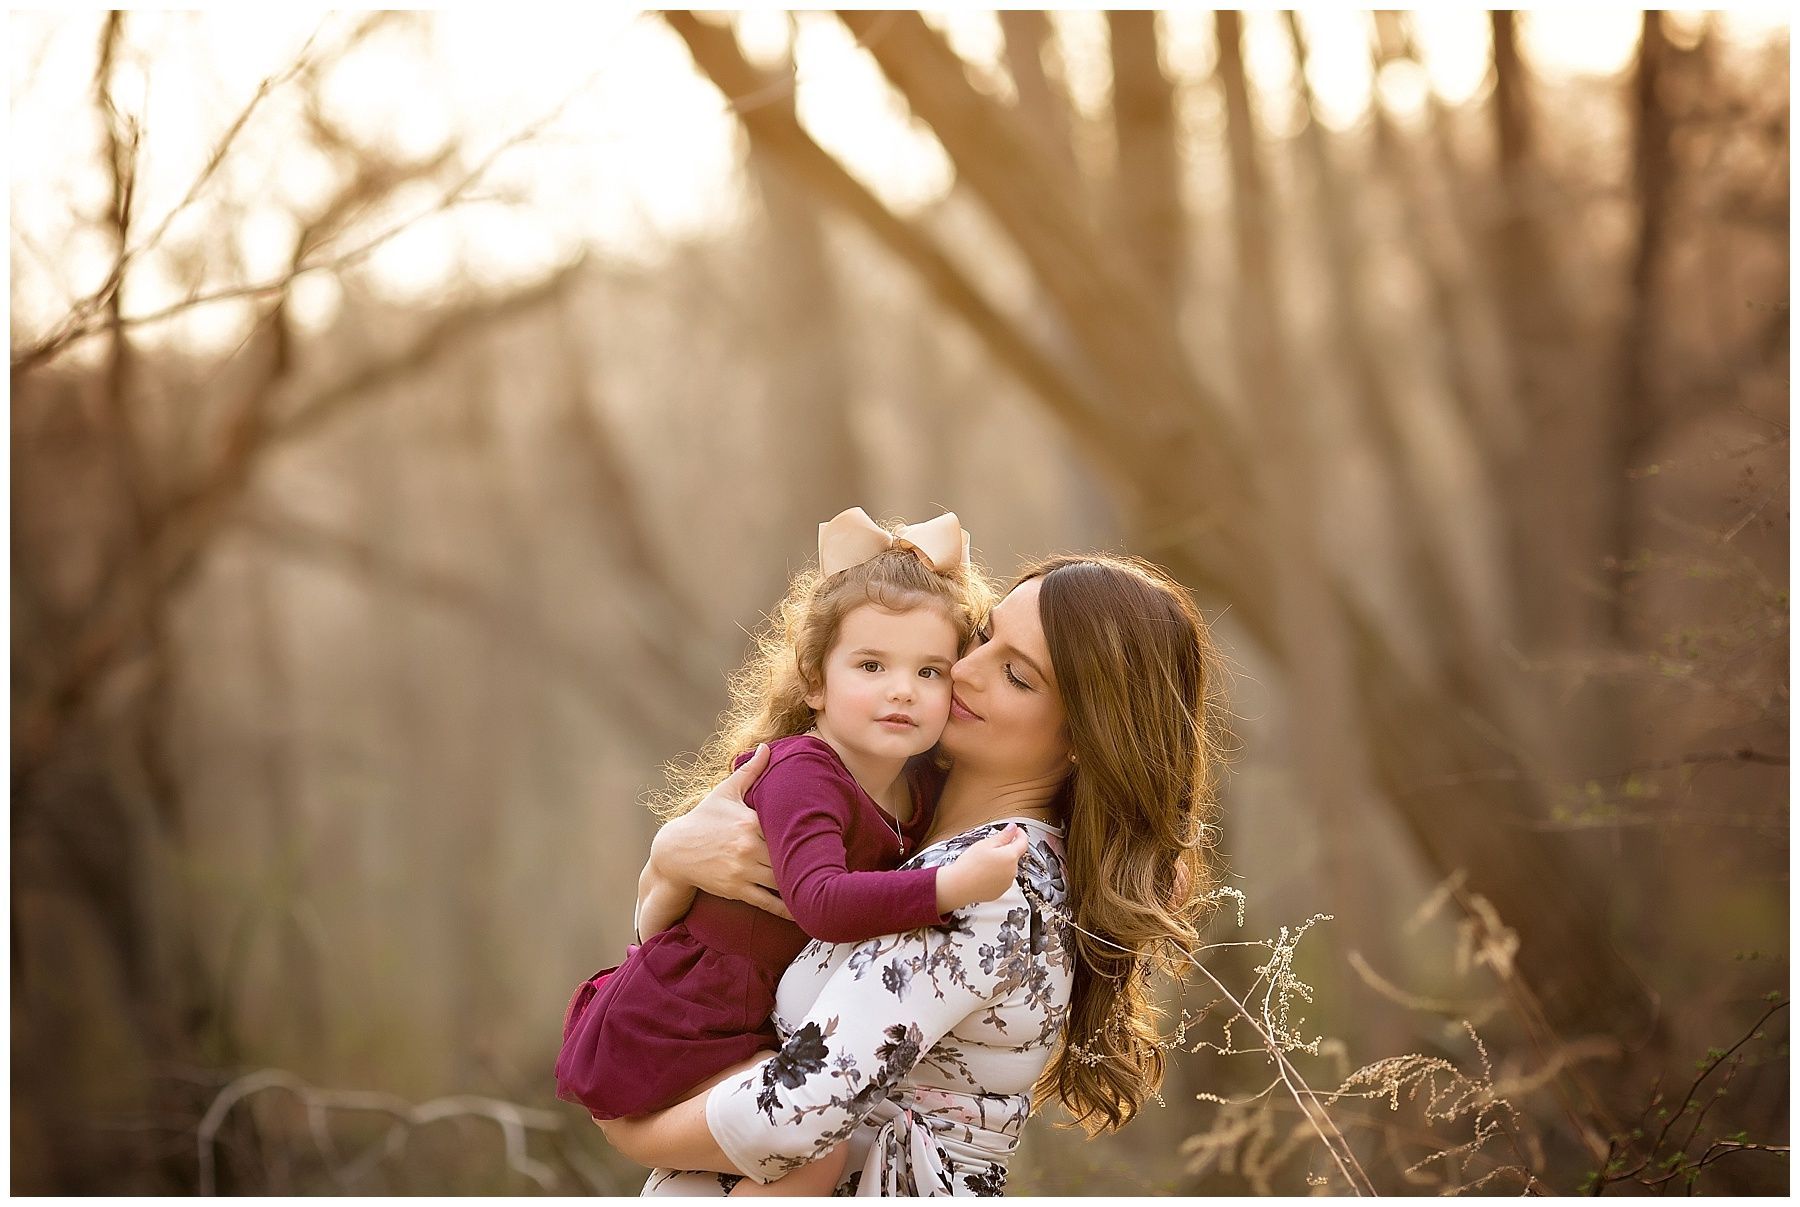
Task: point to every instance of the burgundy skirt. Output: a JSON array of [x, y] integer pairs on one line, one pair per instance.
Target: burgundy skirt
[[643, 1035]]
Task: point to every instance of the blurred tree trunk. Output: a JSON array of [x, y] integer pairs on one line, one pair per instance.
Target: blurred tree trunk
[[1628, 442], [1042, 102], [1335, 214], [134, 473], [812, 407], [1560, 483], [1331, 773], [1147, 208], [1430, 196], [397, 738], [1633, 426], [292, 840], [484, 772]]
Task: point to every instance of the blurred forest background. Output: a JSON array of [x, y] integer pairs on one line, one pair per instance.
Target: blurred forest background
[[411, 412]]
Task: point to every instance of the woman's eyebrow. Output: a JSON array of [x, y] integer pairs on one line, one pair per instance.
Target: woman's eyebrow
[[1026, 658]]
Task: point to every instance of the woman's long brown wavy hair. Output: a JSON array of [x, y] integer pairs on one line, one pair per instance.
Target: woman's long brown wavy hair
[[1142, 686], [768, 693]]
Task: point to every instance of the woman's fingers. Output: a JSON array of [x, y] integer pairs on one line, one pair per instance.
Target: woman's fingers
[[764, 900]]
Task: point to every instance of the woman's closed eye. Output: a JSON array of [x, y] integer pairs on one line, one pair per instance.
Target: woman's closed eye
[[1012, 678]]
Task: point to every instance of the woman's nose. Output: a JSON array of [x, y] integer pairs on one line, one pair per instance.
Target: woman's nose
[[962, 671]]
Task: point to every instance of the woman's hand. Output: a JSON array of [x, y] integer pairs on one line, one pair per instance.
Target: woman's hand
[[718, 846], [674, 1138]]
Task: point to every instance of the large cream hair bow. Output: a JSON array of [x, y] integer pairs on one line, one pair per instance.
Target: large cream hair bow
[[851, 538]]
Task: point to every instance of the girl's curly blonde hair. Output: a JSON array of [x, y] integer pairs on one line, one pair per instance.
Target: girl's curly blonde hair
[[768, 693]]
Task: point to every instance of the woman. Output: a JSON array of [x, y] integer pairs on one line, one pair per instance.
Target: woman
[[1085, 712]]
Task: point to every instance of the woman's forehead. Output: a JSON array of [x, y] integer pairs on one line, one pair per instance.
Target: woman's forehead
[[1018, 614]]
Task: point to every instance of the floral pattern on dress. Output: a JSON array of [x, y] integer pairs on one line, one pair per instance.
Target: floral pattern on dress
[[917, 1049]]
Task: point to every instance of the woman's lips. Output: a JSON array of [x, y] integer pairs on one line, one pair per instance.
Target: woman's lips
[[961, 711]]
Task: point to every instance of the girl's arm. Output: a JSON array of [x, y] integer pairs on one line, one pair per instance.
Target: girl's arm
[[716, 846], [806, 805]]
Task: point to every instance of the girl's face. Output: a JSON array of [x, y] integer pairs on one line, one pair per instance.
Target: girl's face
[[887, 682], [1006, 712]]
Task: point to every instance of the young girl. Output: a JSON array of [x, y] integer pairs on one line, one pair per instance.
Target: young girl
[[849, 682]]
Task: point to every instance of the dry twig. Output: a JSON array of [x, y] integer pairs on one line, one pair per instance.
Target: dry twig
[[513, 1120]]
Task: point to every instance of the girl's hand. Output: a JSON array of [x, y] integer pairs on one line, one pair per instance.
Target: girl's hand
[[717, 846], [983, 872]]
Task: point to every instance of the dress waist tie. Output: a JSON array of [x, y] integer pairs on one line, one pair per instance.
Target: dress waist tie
[[927, 1136]]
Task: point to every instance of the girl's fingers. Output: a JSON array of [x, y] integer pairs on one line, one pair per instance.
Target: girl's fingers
[[1006, 837]]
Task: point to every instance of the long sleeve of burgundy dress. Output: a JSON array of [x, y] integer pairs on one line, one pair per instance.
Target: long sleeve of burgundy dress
[[822, 828]]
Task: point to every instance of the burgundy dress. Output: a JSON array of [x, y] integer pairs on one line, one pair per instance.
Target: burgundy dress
[[693, 1000]]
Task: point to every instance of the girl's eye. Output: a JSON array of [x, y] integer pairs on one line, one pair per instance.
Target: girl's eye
[[870, 665], [1014, 679], [933, 672]]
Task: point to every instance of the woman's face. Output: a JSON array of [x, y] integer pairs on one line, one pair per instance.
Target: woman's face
[[1006, 712]]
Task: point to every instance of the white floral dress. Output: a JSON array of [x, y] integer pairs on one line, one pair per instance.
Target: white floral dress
[[919, 1048]]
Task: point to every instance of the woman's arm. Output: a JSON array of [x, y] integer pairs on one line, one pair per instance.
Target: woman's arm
[[674, 1138], [716, 846], [877, 1016], [880, 1013]]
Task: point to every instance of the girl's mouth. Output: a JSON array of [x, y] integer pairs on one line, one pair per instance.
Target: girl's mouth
[[897, 721]]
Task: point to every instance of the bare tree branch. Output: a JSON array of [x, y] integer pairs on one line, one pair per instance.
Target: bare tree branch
[[184, 528], [82, 313], [78, 328]]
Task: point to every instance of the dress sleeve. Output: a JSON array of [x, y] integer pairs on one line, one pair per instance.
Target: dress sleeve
[[882, 1010], [804, 805]]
